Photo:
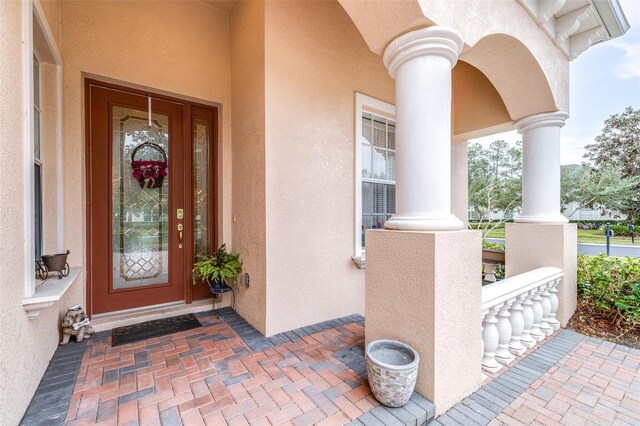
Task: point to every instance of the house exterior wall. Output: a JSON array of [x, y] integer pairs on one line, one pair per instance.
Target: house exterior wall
[[315, 62], [27, 345], [249, 192], [155, 51], [151, 52], [481, 20]]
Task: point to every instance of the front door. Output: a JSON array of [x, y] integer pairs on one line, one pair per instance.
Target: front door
[[140, 215]]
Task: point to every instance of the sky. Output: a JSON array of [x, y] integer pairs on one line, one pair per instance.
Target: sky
[[604, 81]]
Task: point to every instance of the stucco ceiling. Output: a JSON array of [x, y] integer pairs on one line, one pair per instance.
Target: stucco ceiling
[[223, 5]]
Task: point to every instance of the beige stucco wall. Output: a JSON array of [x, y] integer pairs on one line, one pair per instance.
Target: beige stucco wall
[[531, 246], [27, 346], [477, 20], [424, 288], [156, 52], [315, 61], [500, 41], [475, 102], [460, 179], [249, 192]]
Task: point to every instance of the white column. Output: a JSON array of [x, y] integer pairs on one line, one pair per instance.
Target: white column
[[541, 167], [421, 63]]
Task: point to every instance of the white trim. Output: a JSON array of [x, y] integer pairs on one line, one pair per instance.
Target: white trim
[[378, 107], [27, 129], [53, 48], [46, 30], [50, 292], [33, 10], [60, 162]]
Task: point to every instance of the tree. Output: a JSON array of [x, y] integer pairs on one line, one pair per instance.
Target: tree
[[596, 189], [618, 148], [494, 182]]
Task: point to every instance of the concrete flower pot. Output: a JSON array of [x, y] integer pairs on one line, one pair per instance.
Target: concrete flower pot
[[392, 368]]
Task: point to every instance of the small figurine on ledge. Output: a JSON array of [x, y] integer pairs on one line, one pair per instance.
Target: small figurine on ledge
[[75, 323]]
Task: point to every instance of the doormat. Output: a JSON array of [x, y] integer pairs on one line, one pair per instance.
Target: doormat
[[155, 328]]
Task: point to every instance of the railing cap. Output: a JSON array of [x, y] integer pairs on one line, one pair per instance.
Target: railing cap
[[512, 287]]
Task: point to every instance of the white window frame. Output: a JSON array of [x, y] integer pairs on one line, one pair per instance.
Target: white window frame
[[33, 10], [364, 103], [40, 160]]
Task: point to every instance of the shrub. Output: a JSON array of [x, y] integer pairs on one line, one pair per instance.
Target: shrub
[[596, 223], [612, 286], [618, 230], [492, 246]]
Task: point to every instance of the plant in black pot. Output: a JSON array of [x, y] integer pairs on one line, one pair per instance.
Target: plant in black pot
[[218, 270]]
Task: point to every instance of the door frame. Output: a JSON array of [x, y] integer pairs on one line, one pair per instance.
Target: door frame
[[214, 178]]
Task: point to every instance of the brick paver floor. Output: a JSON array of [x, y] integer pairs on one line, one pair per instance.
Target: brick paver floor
[[211, 376], [596, 383], [227, 373]]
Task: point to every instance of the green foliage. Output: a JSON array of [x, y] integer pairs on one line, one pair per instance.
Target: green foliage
[[492, 246], [618, 146], [220, 266], [495, 185], [596, 223], [612, 285], [618, 230], [603, 189]]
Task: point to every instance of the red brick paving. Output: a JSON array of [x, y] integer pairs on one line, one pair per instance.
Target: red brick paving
[[594, 384], [209, 376]]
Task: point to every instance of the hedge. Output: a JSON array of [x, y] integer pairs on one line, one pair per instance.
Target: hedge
[[612, 285]]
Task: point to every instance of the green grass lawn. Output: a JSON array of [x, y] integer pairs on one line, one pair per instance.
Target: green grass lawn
[[584, 236]]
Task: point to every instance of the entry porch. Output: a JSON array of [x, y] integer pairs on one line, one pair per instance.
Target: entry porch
[[228, 373]]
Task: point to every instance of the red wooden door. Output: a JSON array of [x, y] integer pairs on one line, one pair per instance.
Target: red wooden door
[[136, 231]]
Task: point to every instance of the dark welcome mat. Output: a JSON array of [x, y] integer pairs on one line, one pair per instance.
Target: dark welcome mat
[[155, 328]]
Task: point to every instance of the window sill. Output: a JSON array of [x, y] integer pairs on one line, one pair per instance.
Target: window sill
[[359, 261], [49, 293]]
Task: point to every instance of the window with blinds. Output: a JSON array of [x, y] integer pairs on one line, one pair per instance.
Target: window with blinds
[[378, 163]]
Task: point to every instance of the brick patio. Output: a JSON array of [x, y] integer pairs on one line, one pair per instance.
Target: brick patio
[[227, 373]]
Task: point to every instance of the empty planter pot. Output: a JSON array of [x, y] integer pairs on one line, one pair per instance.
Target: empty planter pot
[[392, 368]]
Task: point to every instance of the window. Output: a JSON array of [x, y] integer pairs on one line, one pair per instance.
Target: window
[[37, 158], [375, 166]]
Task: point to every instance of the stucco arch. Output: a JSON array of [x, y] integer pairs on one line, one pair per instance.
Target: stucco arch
[[477, 107], [514, 72], [529, 71]]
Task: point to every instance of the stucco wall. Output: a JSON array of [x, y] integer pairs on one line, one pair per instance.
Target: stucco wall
[[500, 41], [248, 92], [26, 346], [477, 20], [315, 60], [154, 51]]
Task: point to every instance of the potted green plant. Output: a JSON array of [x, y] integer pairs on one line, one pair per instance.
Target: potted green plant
[[218, 270]]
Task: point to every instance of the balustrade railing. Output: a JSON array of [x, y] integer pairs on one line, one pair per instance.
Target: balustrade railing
[[517, 313]]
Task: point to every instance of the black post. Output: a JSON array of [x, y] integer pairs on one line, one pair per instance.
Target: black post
[[632, 229], [608, 234]]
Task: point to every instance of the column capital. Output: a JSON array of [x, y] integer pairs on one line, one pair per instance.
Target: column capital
[[541, 120], [435, 40]]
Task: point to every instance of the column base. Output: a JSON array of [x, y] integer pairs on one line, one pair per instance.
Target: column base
[[447, 222], [534, 245], [424, 288], [542, 219]]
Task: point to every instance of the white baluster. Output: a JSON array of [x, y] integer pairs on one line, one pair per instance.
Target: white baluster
[[490, 272], [490, 338], [527, 315], [503, 355], [553, 298], [536, 333], [517, 326], [545, 327]]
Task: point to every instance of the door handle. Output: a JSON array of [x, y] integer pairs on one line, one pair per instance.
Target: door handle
[[180, 228]]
